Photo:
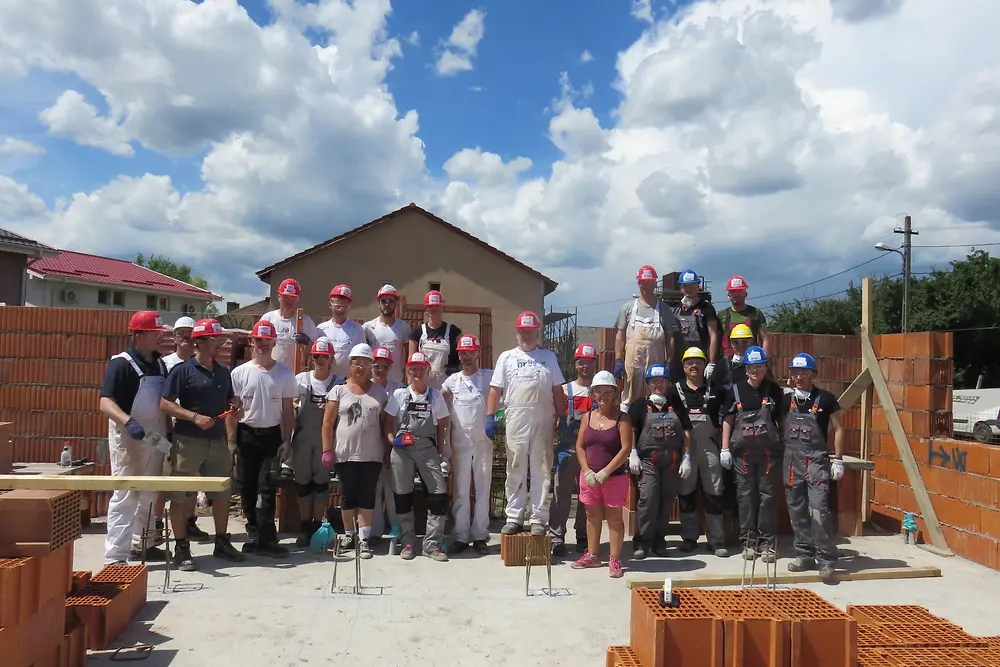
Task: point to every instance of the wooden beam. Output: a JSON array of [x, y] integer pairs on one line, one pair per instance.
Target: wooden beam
[[854, 463], [855, 391], [109, 483], [902, 444], [708, 580], [867, 315]]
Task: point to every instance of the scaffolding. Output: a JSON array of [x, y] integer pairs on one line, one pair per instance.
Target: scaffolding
[[559, 335]]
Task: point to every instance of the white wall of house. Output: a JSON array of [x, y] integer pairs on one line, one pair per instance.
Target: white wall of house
[[53, 293]]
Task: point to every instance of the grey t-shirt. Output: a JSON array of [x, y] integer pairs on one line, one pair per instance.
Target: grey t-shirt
[[359, 434], [667, 320]]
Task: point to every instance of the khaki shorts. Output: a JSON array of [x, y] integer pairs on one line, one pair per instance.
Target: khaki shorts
[[200, 457]]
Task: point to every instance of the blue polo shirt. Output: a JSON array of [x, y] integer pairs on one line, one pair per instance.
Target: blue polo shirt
[[201, 390]]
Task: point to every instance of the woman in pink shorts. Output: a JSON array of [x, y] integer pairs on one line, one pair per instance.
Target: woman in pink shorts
[[603, 447]]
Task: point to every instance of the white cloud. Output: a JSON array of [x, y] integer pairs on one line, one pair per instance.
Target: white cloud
[[483, 167], [17, 203], [643, 10], [460, 47], [586, 57], [12, 146], [72, 116], [413, 39]]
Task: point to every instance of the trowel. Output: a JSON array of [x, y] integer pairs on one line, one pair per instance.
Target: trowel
[[156, 440]]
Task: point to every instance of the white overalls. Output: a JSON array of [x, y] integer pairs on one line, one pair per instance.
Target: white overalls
[[530, 419], [473, 457], [129, 511], [644, 347]]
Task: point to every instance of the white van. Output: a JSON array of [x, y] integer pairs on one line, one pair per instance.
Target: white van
[[976, 414]]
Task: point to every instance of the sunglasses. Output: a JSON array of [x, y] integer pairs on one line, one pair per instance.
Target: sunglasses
[[756, 368], [387, 302]]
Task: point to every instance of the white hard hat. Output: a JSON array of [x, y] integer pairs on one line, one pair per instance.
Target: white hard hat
[[184, 323], [603, 379], [362, 350]]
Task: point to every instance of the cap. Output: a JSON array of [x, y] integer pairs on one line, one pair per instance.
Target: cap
[[646, 272], [383, 353], [603, 379], [418, 359], [528, 320], [468, 343], [363, 350], [322, 346], [433, 298], [184, 323], [207, 328], [386, 291], [290, 287], [341, 290], [146, 320], [263, 329], [585, 351]]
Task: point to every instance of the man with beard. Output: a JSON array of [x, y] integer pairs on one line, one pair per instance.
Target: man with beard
[[388, 331]]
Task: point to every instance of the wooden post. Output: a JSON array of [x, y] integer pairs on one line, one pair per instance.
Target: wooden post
[[867, 301]]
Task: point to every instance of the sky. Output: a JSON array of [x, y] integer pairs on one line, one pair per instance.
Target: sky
[[775, 139]]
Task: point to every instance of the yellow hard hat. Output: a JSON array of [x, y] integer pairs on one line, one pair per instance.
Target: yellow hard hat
[[693, 353], [740, 332]]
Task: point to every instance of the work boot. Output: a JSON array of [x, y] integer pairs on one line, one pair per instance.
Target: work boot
[[458, 547], [558, 549], [152, 555], [271, 548], [407, 553], [182, 556], [250, 545], [481, 547], [720, 552], [687, 546], [801, 564], [749, 553], [538, 530], [366, 549], [511, 528], [196, 533], [660, 548], [825, 571], [769, 556], [436, 554], [225, 550], [638, 553]]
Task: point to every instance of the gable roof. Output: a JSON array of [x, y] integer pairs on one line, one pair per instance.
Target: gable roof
[[116, 272], [264, 274], [11, 242], [245, 317]]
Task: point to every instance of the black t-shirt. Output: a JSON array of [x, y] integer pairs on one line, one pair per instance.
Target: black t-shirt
[[438, 333], [121, 383], [826, 403], [751, 399], [708, 314], [206, 392], [638, 408], [708, 399]]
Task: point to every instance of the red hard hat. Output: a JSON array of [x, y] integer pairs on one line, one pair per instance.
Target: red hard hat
[[383, 353], [322, 346], [585, 351], [207, 328], [387, 290], [646, 273], [433, 298], [290, 287], [468, 343], [737, 284], [528, 320], [418, 359], [342, 290], [146, 320], [263, 329]]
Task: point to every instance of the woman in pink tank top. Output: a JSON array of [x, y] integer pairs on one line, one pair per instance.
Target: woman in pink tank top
[[602, 448]]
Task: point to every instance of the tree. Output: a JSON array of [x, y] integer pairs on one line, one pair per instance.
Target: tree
[[964, 299], [181, 272]]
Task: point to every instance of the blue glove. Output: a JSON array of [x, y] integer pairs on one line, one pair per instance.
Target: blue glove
[[135, 429], [619, 369], [402, 439], [302, 339], [491, 427]]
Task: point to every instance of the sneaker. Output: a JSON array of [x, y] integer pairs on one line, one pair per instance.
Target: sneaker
[[481, 547], [538, 530], [558, 549], [801, 564], [182, 556], [638, 553], [225, 550], [436, 554], [615, 570], [825, 571], [585, 561], [152, 554], [458, 547], [407, 553], [196, 533], [271, 548], [769, 556], [749, 553], [347, 542], [687, 546], [511, 528], [286, 473], [366, 549], [720, 552]]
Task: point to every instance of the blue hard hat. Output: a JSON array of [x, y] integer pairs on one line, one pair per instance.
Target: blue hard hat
[[657, 371], [754, 355], [802, 360], [687, 277]]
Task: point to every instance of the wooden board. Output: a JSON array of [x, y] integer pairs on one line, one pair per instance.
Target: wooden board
[[903, 445], [854, 463], [707, 580], [110, 483], [855, 391], [867, 316]]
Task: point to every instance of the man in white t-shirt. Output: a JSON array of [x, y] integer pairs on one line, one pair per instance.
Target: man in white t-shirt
[[285, 321], [267, 390], [345, 333], [471, 450], [388, 331], [529, 380]]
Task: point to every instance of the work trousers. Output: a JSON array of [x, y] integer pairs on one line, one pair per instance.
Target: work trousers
[[706, 468], [658, 486], [567, 472], [258, 448], [384, 499], [756, 481], [807, 489], [421, 458]]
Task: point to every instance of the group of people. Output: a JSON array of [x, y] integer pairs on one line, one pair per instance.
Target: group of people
[[385, 407]]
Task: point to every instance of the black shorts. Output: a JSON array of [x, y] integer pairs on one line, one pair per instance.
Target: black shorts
[[358, 480]]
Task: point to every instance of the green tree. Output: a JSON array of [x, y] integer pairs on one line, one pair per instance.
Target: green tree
[[181, 272], [964, 299]]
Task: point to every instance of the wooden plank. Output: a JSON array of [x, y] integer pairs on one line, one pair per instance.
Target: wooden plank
[[854, 463], [855, 391], [903, 445], [110, 483], [708, 580], [867, 316]]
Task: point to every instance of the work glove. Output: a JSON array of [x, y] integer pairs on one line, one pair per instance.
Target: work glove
[[302, 339], [135, 429], [685, 470], [590, 477], [445, 468], [491, 427], [329, 460], [602, 476], [634, 465], [709, 369], [619, 369], [726, 459], [836, 469], [402, 439]]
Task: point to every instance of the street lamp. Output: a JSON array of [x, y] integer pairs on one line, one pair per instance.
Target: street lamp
[[885, 247]]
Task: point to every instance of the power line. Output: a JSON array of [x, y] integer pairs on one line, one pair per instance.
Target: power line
[[839, 273], [804, 300], [958, 245]]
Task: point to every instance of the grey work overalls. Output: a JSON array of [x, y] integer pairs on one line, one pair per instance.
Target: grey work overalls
[[660, 447], [421, 457], [705, 466], [567, 473], [311, 477], [756, 451], [806, 472]]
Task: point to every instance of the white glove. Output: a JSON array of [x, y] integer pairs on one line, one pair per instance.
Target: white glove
[[590, 477], [445, 467], [709, 369], [685, 469], [634, 465], [836, 469], [602, 476], [726, 459]]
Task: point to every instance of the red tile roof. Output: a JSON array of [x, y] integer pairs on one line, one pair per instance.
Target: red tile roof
[[118, 272]]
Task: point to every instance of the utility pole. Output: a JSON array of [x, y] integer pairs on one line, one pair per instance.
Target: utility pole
[[907, 232]]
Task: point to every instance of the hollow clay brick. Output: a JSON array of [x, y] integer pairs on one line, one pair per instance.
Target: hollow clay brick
[[689, 635]]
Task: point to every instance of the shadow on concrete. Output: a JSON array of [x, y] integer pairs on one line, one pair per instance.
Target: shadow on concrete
[[655, 565], [158, 657]]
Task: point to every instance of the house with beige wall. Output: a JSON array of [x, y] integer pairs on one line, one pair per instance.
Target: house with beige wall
[[416, 251]]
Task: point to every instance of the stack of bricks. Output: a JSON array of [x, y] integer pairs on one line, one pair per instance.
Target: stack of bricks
[[516, 549], [106, 604], [961, 477]]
